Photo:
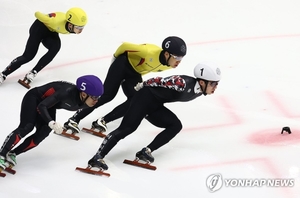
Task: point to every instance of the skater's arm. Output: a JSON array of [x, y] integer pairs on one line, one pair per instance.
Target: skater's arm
[[44, 18], [172, 82], [55, 21], [47, 103], [130, 47]]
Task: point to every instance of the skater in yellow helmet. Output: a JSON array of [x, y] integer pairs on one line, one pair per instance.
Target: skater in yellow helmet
[[45, 29]]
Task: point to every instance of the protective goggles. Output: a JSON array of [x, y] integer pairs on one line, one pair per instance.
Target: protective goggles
[[213, 83], [178, 58], [78, 27], [95, 97]]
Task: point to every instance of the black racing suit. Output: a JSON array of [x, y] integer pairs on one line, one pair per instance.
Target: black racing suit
[[38, 34], [38, 108], [149, 103]]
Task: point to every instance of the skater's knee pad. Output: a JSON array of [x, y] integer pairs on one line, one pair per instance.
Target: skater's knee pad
[[41, 134], [178, 126], [26, 129], [53, 44], [174, 129]]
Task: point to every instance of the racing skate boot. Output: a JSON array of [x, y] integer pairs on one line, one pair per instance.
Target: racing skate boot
[[145, 155], [3, 163], [30, 76], [100, 125], [72, 125], [11, 158], [98, 162], [2, 78]]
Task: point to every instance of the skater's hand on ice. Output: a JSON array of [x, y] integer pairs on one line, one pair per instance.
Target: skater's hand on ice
[[56, 127], [139, 86]]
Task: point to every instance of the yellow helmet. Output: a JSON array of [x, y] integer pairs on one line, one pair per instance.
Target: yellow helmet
[[76, 16]]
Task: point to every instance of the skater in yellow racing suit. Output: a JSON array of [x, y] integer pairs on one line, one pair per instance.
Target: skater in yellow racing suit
[[45, 29], [131, 62]]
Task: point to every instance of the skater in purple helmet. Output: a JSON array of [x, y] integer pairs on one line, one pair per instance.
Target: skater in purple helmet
[[38, 110]]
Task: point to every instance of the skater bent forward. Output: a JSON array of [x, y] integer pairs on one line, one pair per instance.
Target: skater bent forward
[[131, 62], [38, 110], [154, 93], [45, 29]]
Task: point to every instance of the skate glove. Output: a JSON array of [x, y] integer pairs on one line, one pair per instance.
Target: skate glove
[[56, 127]]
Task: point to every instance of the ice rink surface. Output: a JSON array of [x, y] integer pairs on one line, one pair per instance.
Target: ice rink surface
[[234, 133]]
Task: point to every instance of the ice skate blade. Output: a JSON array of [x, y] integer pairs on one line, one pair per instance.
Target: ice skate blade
[[2, 174], [24, 83], [93, 132], [10, 170], [69, 135], [139, 164], [93, 172]]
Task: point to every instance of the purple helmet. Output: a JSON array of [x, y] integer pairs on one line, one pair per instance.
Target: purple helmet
[[90, 84]]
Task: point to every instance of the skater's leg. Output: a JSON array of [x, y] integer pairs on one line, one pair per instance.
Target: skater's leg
[[119, 70], [164, 118], [36, 34], [42, 131], [128, 125], [28, 117], [33, 140], [53, 44], [129, 91]]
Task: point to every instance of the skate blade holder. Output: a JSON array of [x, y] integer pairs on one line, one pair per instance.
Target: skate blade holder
[[8, 169], [24, 83], [89, 170], [1, 173], [286, 129], [93, 132], [137, 162], [68, 133]]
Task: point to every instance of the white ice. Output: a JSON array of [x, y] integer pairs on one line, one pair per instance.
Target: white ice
[[235, 132]]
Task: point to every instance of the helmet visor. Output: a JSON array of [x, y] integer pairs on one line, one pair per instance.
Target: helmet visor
[[78, 27], [95, 98], [213, 83], [178, 58]]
